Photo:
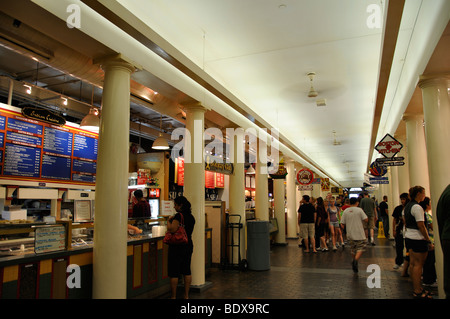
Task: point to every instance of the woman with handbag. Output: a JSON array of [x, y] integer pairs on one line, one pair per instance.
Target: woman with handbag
[[179, 257], [417, 240]]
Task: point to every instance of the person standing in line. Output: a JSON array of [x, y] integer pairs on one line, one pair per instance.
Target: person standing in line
[[368, 206], [398, 230], [417, 239], [443, 221], [306, 220], [321, 223], [179, 256], [353, 219], [335, 231], [384, 215], [429, 276]]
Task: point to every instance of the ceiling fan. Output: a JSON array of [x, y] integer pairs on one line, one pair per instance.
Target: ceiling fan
[[335, 142], [312, 92]]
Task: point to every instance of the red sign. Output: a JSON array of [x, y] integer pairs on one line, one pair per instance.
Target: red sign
[[220, 180], [305, 177], [180, 171], [388, 146], [210, 179]]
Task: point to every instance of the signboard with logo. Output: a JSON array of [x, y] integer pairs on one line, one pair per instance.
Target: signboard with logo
[[388, 146], [305, 176], [325, 184]]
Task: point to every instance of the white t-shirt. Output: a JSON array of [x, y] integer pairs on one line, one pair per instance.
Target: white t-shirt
[[418, 214], [353, 217]]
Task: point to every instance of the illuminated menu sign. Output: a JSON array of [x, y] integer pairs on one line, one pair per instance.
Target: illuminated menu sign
[[31, 150]]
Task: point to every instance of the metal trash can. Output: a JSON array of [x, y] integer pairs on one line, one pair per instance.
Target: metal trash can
[[258, 245]]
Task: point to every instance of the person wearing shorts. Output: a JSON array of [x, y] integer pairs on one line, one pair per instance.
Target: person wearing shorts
[[352, 219], [417, 239], [370, 209], [306, 220]]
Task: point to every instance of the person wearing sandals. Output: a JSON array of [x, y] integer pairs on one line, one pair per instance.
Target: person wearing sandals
[[417, 239]]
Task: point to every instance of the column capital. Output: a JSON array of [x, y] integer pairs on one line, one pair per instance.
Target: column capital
[[412, 116], [426, 81], [194, 106], [117, 60]]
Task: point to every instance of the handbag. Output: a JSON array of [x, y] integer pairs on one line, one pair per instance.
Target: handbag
[[179, 237]]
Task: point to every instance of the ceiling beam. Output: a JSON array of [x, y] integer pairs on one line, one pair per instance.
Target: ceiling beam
[[390, 36]]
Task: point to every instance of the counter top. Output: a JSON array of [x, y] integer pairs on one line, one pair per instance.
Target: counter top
[[28, 255]]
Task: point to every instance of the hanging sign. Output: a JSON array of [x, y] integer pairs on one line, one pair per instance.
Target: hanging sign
[[43, 115], [281, 172], [305, 176], [377, 170], [388, 146], [325, 185]]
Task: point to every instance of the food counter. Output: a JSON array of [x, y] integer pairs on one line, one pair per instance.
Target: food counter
[[25, 274]]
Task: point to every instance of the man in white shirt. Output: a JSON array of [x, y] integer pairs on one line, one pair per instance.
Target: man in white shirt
[[353, 218]]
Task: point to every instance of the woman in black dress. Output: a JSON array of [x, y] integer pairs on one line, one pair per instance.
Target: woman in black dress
[[179, 258]]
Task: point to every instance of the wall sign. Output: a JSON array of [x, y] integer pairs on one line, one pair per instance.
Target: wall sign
[[43, 115]]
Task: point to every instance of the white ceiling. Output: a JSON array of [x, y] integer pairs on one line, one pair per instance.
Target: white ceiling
[[261, 51], [257, 53]]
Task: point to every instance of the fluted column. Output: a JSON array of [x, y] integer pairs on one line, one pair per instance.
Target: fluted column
[[194, 187], [436, 108], [111, 190]]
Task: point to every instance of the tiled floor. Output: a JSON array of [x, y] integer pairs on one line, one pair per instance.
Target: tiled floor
[[294, 274]]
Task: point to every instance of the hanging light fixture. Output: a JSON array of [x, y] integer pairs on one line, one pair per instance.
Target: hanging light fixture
[[251, 170], [160, 143], [91, 121]]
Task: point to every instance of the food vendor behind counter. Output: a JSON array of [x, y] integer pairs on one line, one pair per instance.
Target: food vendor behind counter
[[141, 208]]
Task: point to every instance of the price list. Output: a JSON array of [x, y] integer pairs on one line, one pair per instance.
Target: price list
[[37, 151], [22, 160]]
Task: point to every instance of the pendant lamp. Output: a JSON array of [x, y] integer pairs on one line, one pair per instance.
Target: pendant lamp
[[160, 143], [91, 121]]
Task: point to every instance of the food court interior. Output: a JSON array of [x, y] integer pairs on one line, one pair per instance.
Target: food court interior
[[315, 91]]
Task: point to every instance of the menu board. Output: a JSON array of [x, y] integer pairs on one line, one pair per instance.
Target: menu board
[[49, 238], [31, 150]]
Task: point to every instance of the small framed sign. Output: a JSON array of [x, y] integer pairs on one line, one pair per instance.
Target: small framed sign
[[82, 211], [49, 238]]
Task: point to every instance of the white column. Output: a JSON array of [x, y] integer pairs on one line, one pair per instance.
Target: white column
[[436, 108], [262, 187], [280, 215], [194, 187], [417, 151], [291, 200], [403, 171], [111, 190], [237, 191]]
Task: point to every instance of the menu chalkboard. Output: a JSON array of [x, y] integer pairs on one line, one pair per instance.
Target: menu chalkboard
[[31, 150]]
